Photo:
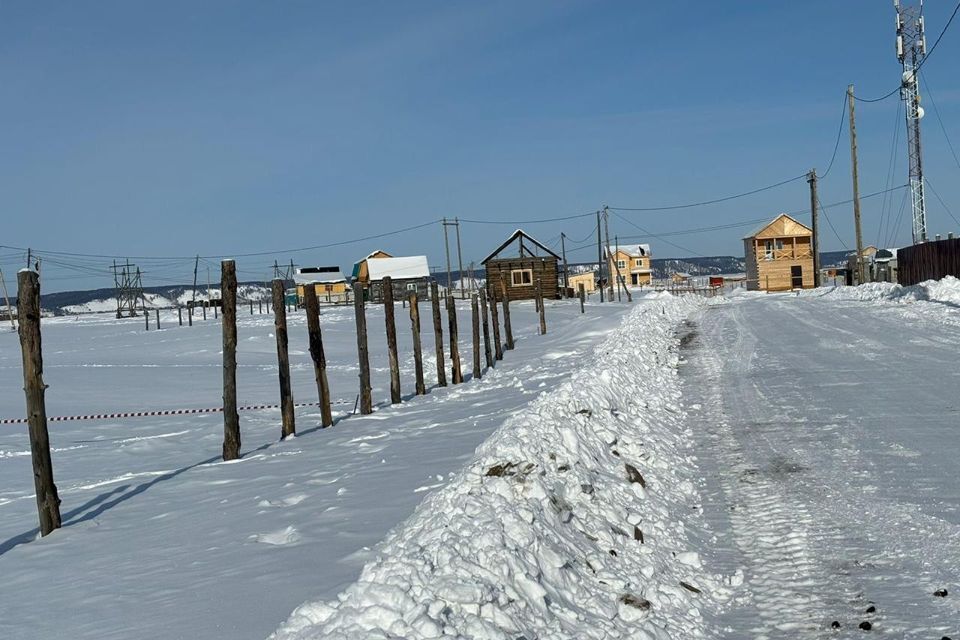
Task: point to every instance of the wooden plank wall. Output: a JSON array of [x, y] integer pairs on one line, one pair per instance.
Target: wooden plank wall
[[544, 268], [928, 261]]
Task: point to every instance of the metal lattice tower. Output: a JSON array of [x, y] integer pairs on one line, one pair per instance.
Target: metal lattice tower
[[126, 279], [911, 50]]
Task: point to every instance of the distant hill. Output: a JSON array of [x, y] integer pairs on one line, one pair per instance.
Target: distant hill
[[94, 300]]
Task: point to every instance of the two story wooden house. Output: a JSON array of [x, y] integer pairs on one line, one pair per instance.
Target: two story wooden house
[[779, 256], [632, 262]]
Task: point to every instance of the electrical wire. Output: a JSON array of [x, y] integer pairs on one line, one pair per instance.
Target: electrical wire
[[714, 201], [922, 62], [836, 145], [942, 203], [823, 210], [936, 112], [654, 235], [537, 221]]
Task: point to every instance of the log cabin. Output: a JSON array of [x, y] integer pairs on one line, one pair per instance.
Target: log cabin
[[534, 262]]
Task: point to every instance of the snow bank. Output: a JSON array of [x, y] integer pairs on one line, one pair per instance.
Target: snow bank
[[568, 523], [945, 290]]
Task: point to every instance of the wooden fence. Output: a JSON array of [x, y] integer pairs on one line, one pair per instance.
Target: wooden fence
[[928, 261]]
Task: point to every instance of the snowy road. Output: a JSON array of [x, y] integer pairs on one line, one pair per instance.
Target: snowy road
[[827, 438]]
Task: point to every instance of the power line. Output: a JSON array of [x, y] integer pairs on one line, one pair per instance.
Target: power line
[[714, 201], [823, 210], [922, 62], [836, 145], [944, 204], [936, 112], [654, 235], [537, 221]]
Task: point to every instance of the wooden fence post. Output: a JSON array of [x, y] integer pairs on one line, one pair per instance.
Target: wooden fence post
[[543, 317], [508, 328], [475, 312], [204, 309], [231, 419], [28, 310], [417, 346], [583, 294], [288, 424], [260, 306], [312, 306], [495, 319], [391, 323], [456, 373], [251, 307], [215, 312], [190, 316], [438, 334], [366, 399], [180, 315], [158, 318], [146, 319], [486, 328]]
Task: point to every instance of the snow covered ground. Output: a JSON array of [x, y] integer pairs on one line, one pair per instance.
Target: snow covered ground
[[827, 437], [570, 522], [756, 467], [162, 540]]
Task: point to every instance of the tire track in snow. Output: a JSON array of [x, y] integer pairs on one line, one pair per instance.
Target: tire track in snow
[[772, 531]]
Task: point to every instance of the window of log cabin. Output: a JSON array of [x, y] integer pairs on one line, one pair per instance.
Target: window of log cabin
[[521, 277], [638, 262], [621, 264], [770, 246], [328, 287]]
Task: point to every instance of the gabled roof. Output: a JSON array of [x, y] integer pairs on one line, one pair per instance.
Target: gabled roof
[[781, 226], [519, 235], [632, 250], [318, 275], [398, 268]]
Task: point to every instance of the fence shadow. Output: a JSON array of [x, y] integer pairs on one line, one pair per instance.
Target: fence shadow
[[98, 505]]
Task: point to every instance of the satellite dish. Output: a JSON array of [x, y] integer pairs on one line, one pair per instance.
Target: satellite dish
[[920, 112], [908, 78]]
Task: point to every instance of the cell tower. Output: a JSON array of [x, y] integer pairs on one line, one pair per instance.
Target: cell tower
[[911, 50]]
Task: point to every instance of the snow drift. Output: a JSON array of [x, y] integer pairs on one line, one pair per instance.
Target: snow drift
[[945, 290], [570, 521]]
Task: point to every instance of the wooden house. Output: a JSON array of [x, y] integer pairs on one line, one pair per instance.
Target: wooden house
[[779, 256], [632, 262], [520, 273], [587, 279], [329, 283], [407, 274]]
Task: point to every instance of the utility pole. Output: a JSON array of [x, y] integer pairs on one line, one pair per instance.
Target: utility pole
[[599, 256], [815, 247], [911, 51], [563, 251], [610, 276], [29, 256], [463, 296], [856, 184], [208, 285], [446, 244], [196, 264]]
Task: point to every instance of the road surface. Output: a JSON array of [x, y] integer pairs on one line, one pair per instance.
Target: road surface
[[828, 439]]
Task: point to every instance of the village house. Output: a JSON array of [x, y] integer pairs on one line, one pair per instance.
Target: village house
[[408, 274], [518, 275], [588, 279], [329, 283], [632, 262], [779, 256]]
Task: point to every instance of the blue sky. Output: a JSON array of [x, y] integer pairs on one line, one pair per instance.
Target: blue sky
[[226, 128]]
